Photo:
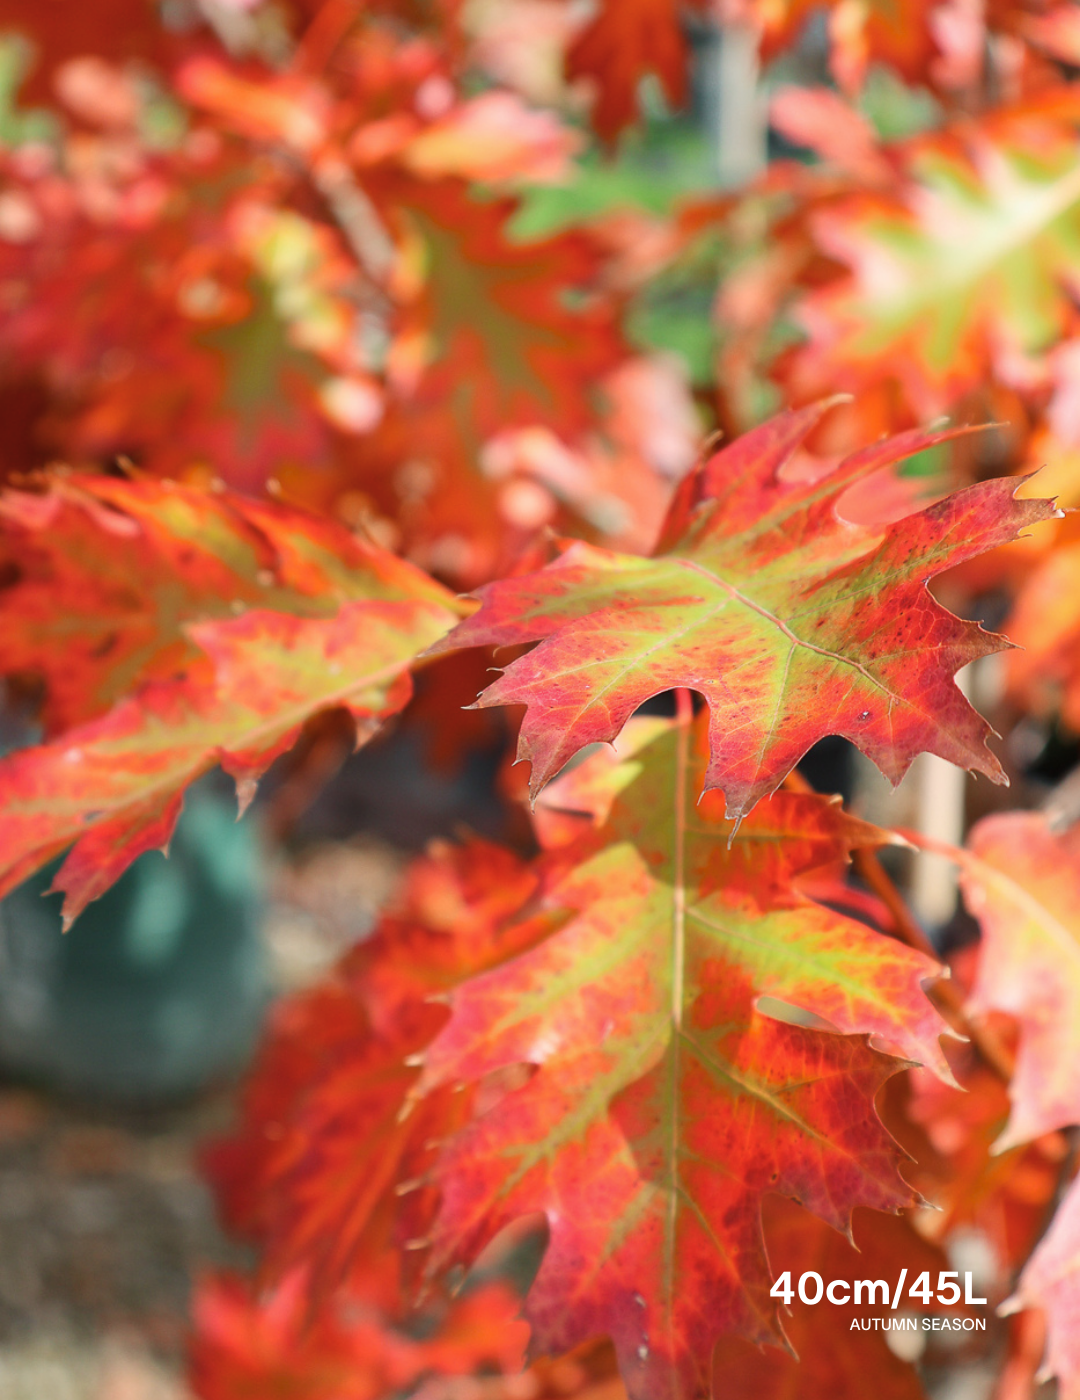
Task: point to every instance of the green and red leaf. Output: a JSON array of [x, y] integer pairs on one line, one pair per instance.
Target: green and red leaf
[[114, 786], [311, 1171], [1020, 880], [959, 267], [663, 1105], [108, 575], [834, 1356], [791, 621], [216, 626], [1050, 1282]]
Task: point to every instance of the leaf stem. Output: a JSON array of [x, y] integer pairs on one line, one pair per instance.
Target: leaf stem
[[943, 993], [907, 929]]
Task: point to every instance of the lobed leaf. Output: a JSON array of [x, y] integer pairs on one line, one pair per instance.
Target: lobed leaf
[[792, 622], [956, 269], [1051, 1281], [1044, 671], [663, 1105], [107, 576], [114, 786], [312, 1169], [622, 42], [218, 626], [951, 1132], [249, 1344], [897, 32], [832, 1359], [1019, 879]]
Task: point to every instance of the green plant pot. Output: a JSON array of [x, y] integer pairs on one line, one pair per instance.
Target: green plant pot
[[159, 986]]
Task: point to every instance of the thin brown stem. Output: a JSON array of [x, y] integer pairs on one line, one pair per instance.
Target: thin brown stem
[[356, 216], [905, 925], [907, 929]]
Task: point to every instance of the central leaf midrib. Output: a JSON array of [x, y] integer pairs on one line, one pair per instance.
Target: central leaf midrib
[[678, 994]]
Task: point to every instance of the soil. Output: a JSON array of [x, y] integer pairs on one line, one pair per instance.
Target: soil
[[104, 1223]]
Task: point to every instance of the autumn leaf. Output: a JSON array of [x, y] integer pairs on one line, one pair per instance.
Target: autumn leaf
[[620, 44], [312, 1169], [229, 331], [494, 137], [107, 575], [820, 120], [495, 335], [1050, 1281], [663, 1104], [951, 1132], [1044, 672], [520, 318], [897, 32], [831, 1359], [216, 626], [959, 270], [286, 109], [114, 786], [220, 322], [792, 622], [247, 1345], [245, 250], [627, 39], [1019, 879]]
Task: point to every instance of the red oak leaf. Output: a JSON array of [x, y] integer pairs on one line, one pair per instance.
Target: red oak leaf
[[186, 351], [663, 1106], [115, 785], [832, 1359], [1044, 671], [917, 306], [1003, 1195], [623, 42], [109, 574], [1019, 879], [311, 1173], [246, 1346], [1051, 1281], [837, 132], [521, 319], [496, 337], [899, 34], [791, 621]]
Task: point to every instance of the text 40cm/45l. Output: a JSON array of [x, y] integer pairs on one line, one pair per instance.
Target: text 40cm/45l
[[812, 1288]]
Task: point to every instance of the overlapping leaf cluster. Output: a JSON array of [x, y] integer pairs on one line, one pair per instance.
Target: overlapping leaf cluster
[[292, 266], [272, 287]]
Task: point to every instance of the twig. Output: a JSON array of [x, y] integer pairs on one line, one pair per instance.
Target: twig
[[905, 925], [907, 929], [353, 211], [356, 216], [1062, 805], [945, 994]]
